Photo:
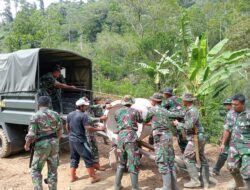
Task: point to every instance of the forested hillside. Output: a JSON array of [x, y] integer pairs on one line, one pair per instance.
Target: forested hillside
[[140, 46]]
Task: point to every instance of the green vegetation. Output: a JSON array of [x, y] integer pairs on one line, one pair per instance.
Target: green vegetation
[[140, 46]]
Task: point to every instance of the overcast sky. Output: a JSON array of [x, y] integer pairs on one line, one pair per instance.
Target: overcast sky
[[46, 4]]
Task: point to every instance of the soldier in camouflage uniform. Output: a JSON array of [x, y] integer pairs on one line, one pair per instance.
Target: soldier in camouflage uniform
[[97, 111], [91, 135], [62, 80], [49, 86], [191, 125], [223, 155], [97, 107], [45, 130], [127, 118], [173, 104], [239, 151], [163, 141]]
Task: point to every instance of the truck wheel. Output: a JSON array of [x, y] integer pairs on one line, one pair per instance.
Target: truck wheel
[[5, 148]]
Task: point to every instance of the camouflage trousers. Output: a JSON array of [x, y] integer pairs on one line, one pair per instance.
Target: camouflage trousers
[[190, 155], [164, 152], [239, 161], [91, 136], [45, 151], [129, 154]]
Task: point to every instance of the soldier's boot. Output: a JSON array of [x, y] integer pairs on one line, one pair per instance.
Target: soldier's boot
[[247, 183], [238, 181], [166, 178], [205, 176], [93, 177], [73, 175], [98, 167], [134, 181], [194, 177], [118, 177], [219, 164]]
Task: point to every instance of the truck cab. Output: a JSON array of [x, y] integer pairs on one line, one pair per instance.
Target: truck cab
[[20, 72]]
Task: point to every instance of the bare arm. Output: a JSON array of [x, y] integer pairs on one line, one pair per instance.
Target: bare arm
[[64, 86], [225, 139], [59, 133], [93, 129], [67, 128], [31, 136]]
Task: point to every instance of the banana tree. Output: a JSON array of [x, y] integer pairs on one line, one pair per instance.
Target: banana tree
[[209, 73], [157, 68]]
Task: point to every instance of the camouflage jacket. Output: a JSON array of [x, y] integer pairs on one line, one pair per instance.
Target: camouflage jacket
[[159, 118], [47, 86], [172, 104], [43, 123], [241, 131], [230, 120], [192, 119], [127, 119], [97, 110]]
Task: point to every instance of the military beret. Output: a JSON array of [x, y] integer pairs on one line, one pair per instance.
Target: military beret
[[44, 100]]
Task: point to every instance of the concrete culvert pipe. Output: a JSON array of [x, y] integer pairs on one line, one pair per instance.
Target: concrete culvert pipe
[[141, 105]]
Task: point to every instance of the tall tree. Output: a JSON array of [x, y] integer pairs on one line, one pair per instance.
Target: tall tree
[[41, 6], [7, 14], [16, 4]]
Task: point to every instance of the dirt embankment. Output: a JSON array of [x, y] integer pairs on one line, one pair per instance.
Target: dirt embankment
[[14, 173]]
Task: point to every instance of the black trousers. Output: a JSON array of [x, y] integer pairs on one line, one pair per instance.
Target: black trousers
[[80, 150]]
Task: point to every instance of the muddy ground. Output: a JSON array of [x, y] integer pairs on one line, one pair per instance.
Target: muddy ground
[[14, 173]]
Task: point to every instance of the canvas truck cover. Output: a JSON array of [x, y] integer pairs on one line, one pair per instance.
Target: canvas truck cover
[[18, 71]]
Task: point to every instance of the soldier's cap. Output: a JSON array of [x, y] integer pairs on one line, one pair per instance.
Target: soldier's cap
[[127, 100], [189, 97], [97, 98], [82, 102], [56, 68], [228, 101], [168, 91], [156, 97], [44, 100], [59, 66], [108, 101]]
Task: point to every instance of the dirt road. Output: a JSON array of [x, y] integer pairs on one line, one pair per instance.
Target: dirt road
[[14, 173]]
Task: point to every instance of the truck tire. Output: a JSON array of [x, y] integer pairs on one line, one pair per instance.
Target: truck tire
[[5, 148]]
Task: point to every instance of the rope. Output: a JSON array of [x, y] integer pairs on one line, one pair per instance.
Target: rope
[[97, 92]]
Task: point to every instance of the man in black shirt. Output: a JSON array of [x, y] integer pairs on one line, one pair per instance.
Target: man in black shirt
[[77, 124]]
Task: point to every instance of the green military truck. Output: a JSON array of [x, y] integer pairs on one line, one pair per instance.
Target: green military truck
[[19, 85]]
